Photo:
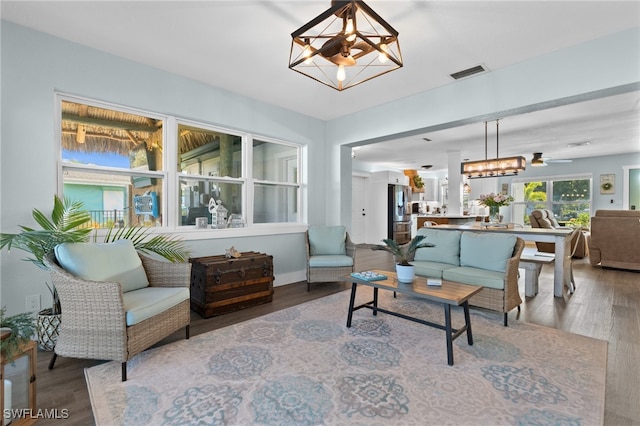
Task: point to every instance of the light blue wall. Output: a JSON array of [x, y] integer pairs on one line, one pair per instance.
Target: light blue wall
[[594, 166], [35, 65], [602, 67]]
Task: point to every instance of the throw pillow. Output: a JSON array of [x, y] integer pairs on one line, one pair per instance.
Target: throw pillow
[[112, 262]]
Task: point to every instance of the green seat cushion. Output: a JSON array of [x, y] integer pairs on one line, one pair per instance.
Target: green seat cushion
[[148, 302], [327, 240], [425, 268], [446, 246], [330, 261], [111, 262], [486, 251], [475, 276]]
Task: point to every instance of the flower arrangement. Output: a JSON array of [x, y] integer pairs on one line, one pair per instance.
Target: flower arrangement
[[495, 200]]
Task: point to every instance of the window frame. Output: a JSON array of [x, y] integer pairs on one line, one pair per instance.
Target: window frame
[[170, 175], [549, 203]]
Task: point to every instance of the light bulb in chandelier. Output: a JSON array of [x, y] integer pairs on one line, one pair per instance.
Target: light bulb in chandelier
[[384, 50], [341, 73], [349, 29], [307, 52]]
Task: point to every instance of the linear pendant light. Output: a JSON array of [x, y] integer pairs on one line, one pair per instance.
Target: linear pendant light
[[495, 167]]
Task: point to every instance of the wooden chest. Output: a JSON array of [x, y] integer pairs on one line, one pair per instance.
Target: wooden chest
[[220, 285]]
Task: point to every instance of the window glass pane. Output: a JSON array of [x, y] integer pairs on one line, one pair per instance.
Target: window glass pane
[[99, 138], [274, 203], [275, 162], [108, 138], [112, 199], [196, 195], [571, 200], [206, 152]]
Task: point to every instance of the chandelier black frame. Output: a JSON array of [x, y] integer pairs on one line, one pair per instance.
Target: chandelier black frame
[[345, 45], [508, 166]]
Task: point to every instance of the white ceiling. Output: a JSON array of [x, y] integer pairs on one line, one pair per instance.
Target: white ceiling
[[243, 46]]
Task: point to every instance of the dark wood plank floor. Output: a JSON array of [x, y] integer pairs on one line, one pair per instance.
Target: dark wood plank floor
[[606, 305]]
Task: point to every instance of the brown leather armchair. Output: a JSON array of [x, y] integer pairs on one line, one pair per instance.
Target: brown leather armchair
[[543, 218]]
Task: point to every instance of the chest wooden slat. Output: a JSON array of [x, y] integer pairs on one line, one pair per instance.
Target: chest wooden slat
[[220, 285]]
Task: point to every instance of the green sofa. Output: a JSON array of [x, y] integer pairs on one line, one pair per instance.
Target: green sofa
[[475, 258]]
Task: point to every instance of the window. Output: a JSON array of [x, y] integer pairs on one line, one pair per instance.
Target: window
[[275, 173], [124, 165], [112, 162], [210, 173], [568, 198]]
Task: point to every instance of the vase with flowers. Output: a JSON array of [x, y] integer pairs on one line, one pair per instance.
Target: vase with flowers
[[494, 202]]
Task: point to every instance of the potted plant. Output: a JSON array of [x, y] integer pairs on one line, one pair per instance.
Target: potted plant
[[69, 222], [15, 331], [403, 254]]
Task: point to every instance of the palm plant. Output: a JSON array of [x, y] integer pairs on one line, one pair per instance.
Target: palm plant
[[403, 253], [68, 224]]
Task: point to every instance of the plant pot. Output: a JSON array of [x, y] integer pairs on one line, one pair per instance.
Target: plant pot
[[48, 326], [405, 274]]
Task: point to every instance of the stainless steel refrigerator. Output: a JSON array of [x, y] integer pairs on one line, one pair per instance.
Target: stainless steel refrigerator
[[399, 213]]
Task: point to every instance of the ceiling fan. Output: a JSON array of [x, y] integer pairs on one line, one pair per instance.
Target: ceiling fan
[[538, 160]]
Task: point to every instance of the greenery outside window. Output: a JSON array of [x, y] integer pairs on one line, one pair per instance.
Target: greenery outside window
[[569, 198]]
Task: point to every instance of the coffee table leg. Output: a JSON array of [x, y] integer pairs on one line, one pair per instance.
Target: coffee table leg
[[467, 321], [448, 331], [375, 301], [351, 302]]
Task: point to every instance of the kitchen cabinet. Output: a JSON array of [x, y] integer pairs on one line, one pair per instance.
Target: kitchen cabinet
[[390, 177]]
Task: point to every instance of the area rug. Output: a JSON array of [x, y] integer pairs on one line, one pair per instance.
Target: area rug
[[302, 366]]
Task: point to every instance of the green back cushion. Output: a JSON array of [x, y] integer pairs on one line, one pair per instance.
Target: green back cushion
[[486, 251], [446, 249], [112, 262], [327, 240]]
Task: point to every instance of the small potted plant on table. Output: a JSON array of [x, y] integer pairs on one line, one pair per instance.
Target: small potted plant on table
[[403, 254]]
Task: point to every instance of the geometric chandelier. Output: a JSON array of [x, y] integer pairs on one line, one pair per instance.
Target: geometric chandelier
[[345, 45], [507, 166]]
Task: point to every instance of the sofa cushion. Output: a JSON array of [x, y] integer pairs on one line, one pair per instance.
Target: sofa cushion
[[111, 262], [327, 240], [475, 276], [446, 247], [425, 268], [330, 261], [148, 302], [486, 251]]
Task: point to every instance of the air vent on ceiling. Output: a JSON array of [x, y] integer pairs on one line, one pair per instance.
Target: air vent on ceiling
[[577, 144], [469, 71]]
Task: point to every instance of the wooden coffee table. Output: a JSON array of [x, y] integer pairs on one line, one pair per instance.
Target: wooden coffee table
[[450, 293]]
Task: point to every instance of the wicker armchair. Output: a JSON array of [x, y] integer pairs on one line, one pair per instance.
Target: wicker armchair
[[94, 320], [503, 300], [331, 259]]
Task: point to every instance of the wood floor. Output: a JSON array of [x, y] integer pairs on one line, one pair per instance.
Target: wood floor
[[606, 305]]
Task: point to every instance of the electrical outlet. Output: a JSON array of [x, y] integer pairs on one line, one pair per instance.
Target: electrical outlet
[[33, 303]]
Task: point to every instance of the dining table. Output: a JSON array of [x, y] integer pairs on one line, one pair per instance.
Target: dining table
[[560, 236]]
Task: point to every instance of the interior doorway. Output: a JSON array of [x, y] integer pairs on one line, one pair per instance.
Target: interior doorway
[[631, 196], [358, 209]]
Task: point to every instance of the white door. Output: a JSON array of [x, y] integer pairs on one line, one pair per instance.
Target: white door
[[358, 209]]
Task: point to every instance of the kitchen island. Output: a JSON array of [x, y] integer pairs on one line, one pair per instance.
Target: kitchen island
[[446, 219]]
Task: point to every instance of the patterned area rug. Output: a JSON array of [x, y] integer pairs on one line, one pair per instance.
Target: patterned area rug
[[302, 366]]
